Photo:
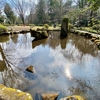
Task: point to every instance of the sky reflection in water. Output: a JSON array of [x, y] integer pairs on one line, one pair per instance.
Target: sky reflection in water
[[68, 66]]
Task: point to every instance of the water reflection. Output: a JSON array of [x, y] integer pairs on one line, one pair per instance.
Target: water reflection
[[84, 45], [9, 76], [4, 38], [14, 38], [66, 66], [39, 42], [63, 42], [68, 74]]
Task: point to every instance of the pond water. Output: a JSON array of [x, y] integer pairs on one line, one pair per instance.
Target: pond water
[[65, 66]]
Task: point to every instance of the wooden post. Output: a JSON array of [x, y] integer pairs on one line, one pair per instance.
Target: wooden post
[[64, 28]]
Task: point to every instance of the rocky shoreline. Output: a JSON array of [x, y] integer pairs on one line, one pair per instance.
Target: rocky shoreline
[[7, 93]]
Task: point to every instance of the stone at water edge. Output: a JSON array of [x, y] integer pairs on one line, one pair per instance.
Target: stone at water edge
[[64, 28], [13, 94], [31, 69], [49, 96], [73, 97]]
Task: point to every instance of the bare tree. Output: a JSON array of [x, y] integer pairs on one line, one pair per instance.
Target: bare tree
[[1, 5], [32, 7], [21, 8]]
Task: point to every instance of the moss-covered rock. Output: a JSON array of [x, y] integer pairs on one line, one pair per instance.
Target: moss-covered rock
[[74, 97], [13, 94], [40, 34], [46, 26]]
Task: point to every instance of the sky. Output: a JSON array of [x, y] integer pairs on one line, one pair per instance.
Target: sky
[[35, 1]]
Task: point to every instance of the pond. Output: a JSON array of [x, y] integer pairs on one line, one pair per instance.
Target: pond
[[66, 66]]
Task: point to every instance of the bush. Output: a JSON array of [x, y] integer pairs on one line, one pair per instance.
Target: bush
[[3, 28], [70, 26], [6, 25], [95, 21], [46, 26], [40, 24], [32, 25], [96, 27]]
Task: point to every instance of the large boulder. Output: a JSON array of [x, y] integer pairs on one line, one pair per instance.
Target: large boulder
[[13, 94], [64, 28], [39, 34]]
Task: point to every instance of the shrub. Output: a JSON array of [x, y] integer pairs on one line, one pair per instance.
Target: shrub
[[95, 21], [3, 28], [40, 24], [46, 26], [32, 25], [70, 26], [96, 27], [6, 24]]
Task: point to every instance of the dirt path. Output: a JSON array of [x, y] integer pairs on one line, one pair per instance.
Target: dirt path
[[18, 28]]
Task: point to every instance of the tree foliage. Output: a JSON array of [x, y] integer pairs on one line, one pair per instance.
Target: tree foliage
[[41, 12], [95, 4], [21, 7], [9, 13]]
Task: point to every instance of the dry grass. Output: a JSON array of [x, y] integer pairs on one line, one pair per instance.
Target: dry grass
[[18, 28], [50, 28]]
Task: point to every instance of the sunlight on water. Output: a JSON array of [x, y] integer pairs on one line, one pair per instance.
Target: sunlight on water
[[68, 74], [68, 66], [1, 57]]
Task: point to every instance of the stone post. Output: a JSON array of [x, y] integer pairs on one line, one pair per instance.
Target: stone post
[[64, 28]]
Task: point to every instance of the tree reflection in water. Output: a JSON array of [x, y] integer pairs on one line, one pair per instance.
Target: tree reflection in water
[[61, 66], [83, 87], [10, 73]]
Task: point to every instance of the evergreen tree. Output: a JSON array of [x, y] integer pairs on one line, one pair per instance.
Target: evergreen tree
[[41, 12], [9, 13]]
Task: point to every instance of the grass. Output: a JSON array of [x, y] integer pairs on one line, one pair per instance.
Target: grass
[[50, 28]]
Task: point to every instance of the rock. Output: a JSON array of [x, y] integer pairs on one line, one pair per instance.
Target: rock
[[96, 41], [74, 97], [39, 34], [49, 96], [64, 28], [93, 39], [30, 69], [13, 94]]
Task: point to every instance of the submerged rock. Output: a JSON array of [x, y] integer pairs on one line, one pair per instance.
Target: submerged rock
[[49, 96], [13, 94], [31, 69], [74, 97]]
